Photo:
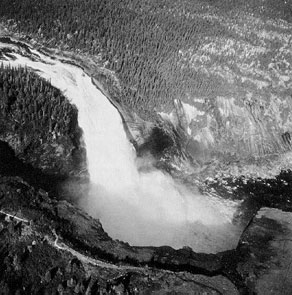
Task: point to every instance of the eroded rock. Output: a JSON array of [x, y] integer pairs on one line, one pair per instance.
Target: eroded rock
[[267, 244], [61, 248]]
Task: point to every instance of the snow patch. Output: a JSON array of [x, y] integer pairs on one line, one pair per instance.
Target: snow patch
[[191, 112]]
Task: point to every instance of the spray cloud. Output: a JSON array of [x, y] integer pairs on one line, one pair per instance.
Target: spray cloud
[[142, 208]]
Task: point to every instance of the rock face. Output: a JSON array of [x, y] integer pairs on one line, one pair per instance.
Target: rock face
[[267, 244], [48, 246], [241, 109], [51, 247], [38, 122], [219, 71], [237, 111]]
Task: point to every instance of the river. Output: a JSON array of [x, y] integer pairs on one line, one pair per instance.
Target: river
[[142, 208]]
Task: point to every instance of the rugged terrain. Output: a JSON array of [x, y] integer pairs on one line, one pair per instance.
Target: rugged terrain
[[213, 75], [50, 246], [222, 119]]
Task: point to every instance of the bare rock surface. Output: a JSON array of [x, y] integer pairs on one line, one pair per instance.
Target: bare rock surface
[[267, 244], [52, 247]]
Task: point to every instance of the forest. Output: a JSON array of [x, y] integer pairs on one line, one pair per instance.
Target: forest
[[139, 40], [31, 105]]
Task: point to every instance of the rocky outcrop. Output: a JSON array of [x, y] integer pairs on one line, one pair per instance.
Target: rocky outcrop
[[239, 108], [155, 136], [235, 118], [267, 248], [51, 246], [87, 234], [38, 122], [225, 86]]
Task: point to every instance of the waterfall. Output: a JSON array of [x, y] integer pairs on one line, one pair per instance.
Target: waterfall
[[142, 208]]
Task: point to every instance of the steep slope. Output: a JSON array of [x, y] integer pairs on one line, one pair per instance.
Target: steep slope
[[51, 246], [39, 135], [242, 112], [219, 71]]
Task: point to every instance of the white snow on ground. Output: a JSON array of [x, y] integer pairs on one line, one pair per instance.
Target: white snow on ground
[[191, 112], [169, 117], [140, 208]]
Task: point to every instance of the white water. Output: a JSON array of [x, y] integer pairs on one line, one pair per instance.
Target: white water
[[141, 208]]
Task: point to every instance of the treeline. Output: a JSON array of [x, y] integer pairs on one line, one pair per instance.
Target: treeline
[[31, 105], [139, 40]]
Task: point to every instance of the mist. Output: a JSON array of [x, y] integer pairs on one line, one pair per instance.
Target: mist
[[135, 202], [153, 209]]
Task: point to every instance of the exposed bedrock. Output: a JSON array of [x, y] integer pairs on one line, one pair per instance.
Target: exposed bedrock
[[226, 90], [37, 121], [48, 244], [267, 248], [237, 111]]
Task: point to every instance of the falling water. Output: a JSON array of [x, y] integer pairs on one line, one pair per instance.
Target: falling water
[[147, 208]]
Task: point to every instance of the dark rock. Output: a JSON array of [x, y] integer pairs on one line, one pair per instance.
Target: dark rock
[[11, 165], [181, 283], [267, 247], [157, 142], [76, 250]]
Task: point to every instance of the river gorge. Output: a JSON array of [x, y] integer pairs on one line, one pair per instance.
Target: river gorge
[[142, 208]]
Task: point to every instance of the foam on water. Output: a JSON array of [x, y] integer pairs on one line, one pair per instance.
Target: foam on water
[[142, 208]]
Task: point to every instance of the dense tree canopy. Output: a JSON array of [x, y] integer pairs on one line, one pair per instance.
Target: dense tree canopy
[[30, 104], [139, 40]]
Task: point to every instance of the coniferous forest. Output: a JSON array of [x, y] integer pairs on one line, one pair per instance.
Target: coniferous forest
[[38, 122], [205, 86], [33, 105], [140, 42]]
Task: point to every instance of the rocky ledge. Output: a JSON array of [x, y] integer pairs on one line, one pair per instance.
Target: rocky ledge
[[267, 242], [52, 247], [38, 122], [48, 246]]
